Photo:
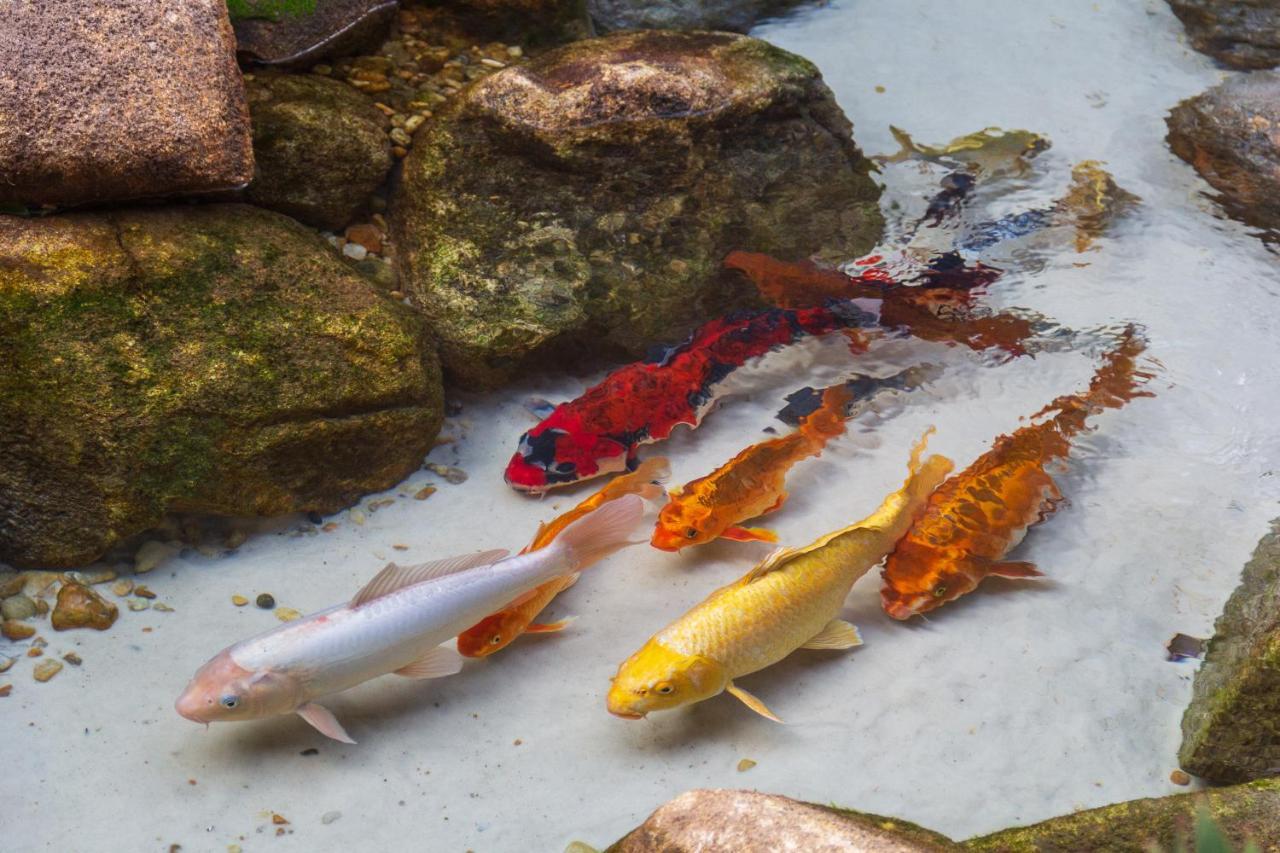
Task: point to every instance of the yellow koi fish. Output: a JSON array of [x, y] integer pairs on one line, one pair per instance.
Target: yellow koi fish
[[790, 601]]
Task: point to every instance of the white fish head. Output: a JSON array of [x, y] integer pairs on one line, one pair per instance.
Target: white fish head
[[222, 690]]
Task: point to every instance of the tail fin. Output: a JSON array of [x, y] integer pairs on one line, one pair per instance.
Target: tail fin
[[608, 529], [828, 420], [643, 481], [1117, 381]]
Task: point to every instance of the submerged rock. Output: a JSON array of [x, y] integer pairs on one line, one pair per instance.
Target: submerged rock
[[752, 822], [217, 359], [1231, 730], [320, 148], [105, 101], [1231, 135], [1239, 34], [1244, 813], [732, 15], [277, 32], [585, 200], [80, 607]]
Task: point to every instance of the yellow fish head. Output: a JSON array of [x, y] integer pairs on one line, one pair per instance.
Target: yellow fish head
[[657, 678], [681, 524]]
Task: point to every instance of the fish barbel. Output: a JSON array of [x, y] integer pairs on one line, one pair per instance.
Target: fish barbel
[[792, 600], [396, 623]]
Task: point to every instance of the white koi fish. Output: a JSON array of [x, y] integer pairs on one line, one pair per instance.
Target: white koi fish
[[397, 623]]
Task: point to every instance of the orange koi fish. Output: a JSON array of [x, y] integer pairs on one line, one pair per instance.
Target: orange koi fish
[[498, 630], [748, 485], [982, 513]]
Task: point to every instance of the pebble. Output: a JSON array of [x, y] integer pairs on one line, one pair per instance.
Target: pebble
[[580, 847], [374, 506], [424, 493], [330, 527], [413, 122], [18, 607], [235, 539], [73, 658], [152, 554], [6, 662], [399, 137], [278, 819], [356, 516], [80, 607], [5, 690], [94, 577], [138, 604], [400, 546], [355, 251], [36, 584], [456, 476], [122, 587], [162, 607], [42, 606], [287, 614], [1179, 777], [16, 630], [745, 764], [35, 651], [12, 584], [265, 600], [143, 591], [47, 669], [239, 600], [365, 235], [329, 817]]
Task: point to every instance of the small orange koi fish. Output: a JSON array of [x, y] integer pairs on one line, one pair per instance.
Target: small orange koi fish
[[498, 630], [748, 485], [982, 513]]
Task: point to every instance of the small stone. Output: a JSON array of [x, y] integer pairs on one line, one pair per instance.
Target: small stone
[[162, 607], [456, 476], [96, 576], [80, 607], [138, 604], [35, 651], [413, 122], [311, 750], [42, 607], [1180, 777], [39, 642], [355, 251], [47, 669], [18, 607], [239, 600], [143, 591], [517, 742], [329, 817], [122, 587], [287, 614], [365, 235], [11, 584], [580, 847], [16, 630], [745, 764], [399, 137], [356, 516], [234, 848], [315, 517], [330, 527], [73, 658], [5, 690], [6, 662], [278, 819], [265, 600], [235, 539], [400, 546], [424, 493], [152, 554]]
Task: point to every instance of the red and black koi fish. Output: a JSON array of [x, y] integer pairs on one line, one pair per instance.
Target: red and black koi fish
[[598, 432]]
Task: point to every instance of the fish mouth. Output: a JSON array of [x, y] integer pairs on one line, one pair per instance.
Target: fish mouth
[[190, 708], [627, 715]]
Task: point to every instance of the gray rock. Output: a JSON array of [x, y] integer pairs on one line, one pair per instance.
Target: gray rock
[[1238, 33], [267, 32], [108, 101], [585, 200], [733, 15], [17, 607], [320, 147]]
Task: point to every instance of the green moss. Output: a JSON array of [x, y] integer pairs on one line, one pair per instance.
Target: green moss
[[269, 9]]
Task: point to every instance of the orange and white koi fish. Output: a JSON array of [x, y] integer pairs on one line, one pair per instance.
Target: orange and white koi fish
[[751, 484], [790, 601], [498, 630], [397, 623], [982, 513]]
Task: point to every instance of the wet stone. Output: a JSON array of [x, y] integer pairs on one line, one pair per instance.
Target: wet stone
[[73, 658], [17, 607], [265, 600], [332, 28], [6, 663], [1238, 34], [46, 669], [13, 630], [239, 600], [122, 587], [80, 606]]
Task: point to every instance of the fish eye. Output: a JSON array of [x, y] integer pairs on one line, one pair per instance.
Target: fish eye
[[940, 590], [691, 533], [229, 701], [495, 640], [666, 689]]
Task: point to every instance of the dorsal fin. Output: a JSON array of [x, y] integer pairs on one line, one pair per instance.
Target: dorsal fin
[[769, 564], [395, 577]]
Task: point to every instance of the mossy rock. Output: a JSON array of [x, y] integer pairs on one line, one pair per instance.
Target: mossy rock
[[1244, 813], [217, 359], [320, 148], [584, 201], [1231, 730]]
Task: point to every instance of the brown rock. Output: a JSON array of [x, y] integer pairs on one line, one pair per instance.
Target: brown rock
[[751, 822], [14, 630], [1239, 34], [1231, 135], [46, 669], [334, 28], [104, 101], [80, 607], [366, 235]]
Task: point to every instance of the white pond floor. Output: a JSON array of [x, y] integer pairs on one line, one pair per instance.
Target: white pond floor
[[1014, 705]]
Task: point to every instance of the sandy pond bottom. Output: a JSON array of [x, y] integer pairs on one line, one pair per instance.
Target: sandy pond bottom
[[1013, 705]]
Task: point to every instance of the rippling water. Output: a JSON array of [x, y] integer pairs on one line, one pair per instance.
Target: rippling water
[[1017, 703]]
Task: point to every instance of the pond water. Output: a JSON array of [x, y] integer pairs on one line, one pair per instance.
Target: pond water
[[1020, 702]]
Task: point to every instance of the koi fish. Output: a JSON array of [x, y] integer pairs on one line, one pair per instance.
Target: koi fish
[[498, 630], [978, 516], [862, 388], [751, 484], [792, 600], [397, 623], [598, 432], [990, 150]]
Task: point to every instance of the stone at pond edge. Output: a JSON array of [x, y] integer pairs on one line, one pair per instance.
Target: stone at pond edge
[[585, 200], [107, 101], [733, 15], [80, 607], [1244, 813], [197, 360], [319, 145], [1231, 730], [1231, 135], [333, 28], [1238, 34], [752, 822]]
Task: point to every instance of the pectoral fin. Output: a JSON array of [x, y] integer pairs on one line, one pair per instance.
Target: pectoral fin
[[441, 661], [752, 702], [548, 627], [838, 634], [749, 534], [1015, 569], [323, 721]]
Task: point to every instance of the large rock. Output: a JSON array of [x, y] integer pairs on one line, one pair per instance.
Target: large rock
[[216, 359], [320, 146], [1238, 33], [586, 199], [106, 101], [1244, 813], [1231, 730], [301, 32], [751, 822], [1231, 134], [733, 15]]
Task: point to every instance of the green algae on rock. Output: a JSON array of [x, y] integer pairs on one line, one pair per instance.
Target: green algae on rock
[[320, 148], [1231, 730], [1244, 813], [585, 200], [216, 359]]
